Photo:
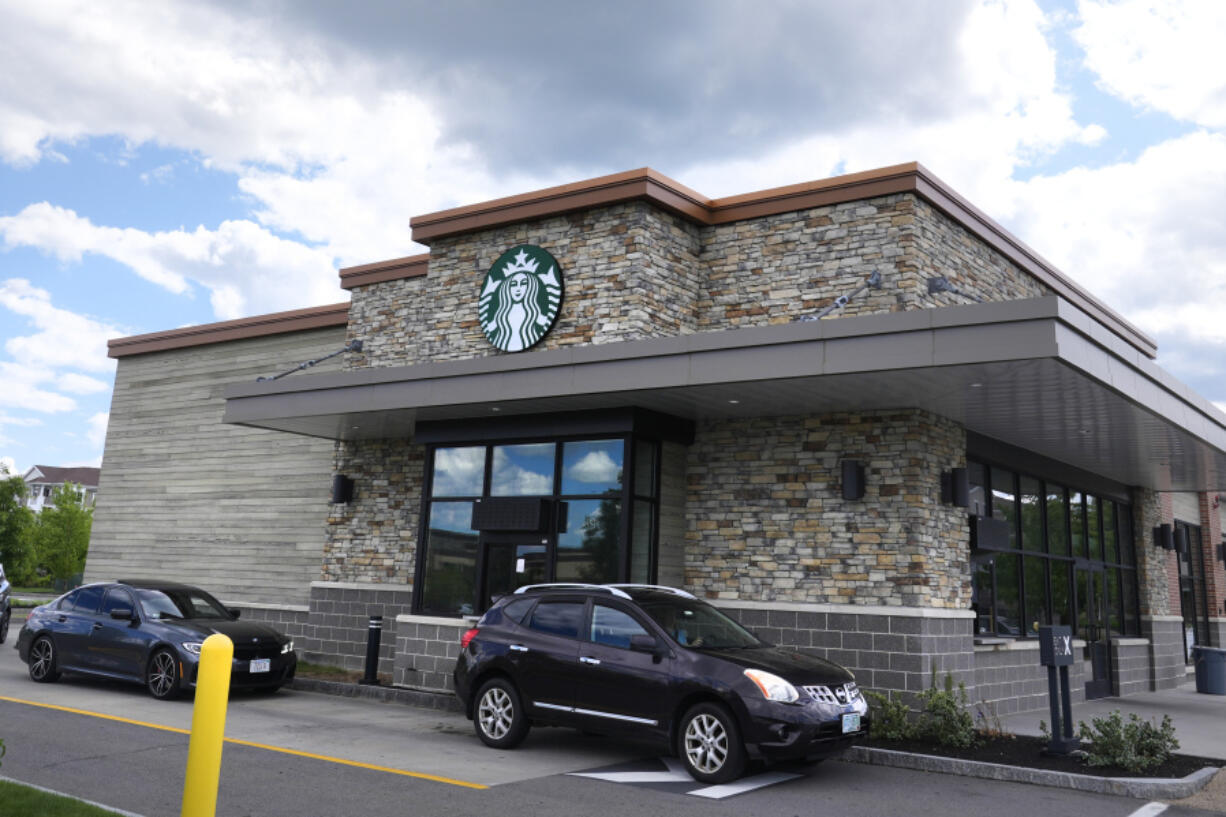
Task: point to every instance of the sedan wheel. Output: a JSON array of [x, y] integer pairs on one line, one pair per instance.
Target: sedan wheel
[[42, 661], [711, 746], [163, 677], [499, 720]]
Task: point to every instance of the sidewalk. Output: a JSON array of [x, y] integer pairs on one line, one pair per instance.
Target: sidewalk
[[1200, 720]]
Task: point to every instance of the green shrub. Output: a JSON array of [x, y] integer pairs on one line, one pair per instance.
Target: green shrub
[[1137, 745], [943, 717], [890, 718]]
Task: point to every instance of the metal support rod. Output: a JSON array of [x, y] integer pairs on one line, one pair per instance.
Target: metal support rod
[[873, 282], [351, 346]]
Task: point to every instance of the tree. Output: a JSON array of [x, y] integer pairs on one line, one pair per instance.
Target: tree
[[61, 534], [16, 522]]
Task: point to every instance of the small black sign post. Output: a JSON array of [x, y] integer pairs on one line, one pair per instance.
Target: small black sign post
[[1056, 653]]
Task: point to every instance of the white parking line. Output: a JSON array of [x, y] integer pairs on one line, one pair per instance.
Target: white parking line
[[676, 774], [1150, 810], [743, 785]]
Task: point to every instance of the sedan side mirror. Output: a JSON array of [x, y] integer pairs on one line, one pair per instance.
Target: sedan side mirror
[[122, 613], [234, 611]]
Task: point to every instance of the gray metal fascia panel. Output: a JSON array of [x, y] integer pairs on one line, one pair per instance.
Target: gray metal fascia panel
[[628, 375], [977, 344], [914, 350]]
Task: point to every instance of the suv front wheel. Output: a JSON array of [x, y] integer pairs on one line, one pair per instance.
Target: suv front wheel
[[709, 744], [498, 715]]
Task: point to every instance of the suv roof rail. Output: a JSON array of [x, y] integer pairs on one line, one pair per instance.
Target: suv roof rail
[[572, 586], [665, 588]]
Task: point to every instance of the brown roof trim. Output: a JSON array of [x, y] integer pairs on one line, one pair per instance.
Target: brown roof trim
[[411, 266], [643, 183], [276, 323], [647, 184]]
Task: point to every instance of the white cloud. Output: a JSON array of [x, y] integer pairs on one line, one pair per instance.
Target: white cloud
[[96, 431], [24, 389], [8, 467], [594, 467], [74, 383], [245, 268], [64, 338], [1164, 55]]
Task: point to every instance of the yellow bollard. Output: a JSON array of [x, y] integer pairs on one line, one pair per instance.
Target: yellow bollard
[[208, 727]]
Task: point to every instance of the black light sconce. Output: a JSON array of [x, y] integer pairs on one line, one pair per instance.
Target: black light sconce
[[1164, 537], [853, 479], [342, 489], [955, 488]]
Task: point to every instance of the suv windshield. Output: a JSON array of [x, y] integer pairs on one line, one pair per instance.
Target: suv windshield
[[180, 603], [693, 623]]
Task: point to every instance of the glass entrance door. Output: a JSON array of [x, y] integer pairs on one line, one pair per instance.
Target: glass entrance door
[[1092, 626], [508, 563]]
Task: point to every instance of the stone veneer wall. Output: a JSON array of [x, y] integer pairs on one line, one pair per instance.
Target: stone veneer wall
[[1009, 678], [767, 520], [374, 537], [1147, 514], [629, 272]]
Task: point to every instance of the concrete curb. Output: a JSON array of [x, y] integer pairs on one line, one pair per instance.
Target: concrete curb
[[393, 694], [1149, 788]]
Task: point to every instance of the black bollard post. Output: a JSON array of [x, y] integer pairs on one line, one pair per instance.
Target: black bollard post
[[373, 636]]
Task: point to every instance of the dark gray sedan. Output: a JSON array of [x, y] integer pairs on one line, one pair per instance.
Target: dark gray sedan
[[6, 608], [151, 633]]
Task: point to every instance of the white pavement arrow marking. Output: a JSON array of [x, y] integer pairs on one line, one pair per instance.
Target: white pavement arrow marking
[[676, 774], [743, 785]]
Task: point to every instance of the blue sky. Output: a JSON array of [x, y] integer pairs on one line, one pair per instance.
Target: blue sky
[[174, 164]]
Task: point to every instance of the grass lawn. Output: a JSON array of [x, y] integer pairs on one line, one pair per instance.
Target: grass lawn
[[17, 800]]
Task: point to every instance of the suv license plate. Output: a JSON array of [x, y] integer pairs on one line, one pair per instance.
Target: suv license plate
[[851, 722], [265, 665]]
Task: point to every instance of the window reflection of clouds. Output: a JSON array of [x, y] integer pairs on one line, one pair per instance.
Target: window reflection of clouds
[[522, 470], [453, 516], [592, 466], [459, 471], [578, 514]]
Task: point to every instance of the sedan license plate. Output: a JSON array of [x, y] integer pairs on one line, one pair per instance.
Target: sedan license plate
[[265, 665], [851, 722]]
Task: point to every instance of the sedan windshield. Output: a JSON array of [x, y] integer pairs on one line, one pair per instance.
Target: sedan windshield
[[180, 603], [693, 623]]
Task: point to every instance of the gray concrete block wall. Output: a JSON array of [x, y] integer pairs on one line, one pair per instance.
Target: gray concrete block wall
[[339, 622], [1009, 679], [888, 652], [426, 650], [184, 496], [290, 620], [1165, 635], [1217, 632], [1130, 666]]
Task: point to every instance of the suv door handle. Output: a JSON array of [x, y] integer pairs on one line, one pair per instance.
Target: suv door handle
[[97, 625], [518, 648], [587, 659]]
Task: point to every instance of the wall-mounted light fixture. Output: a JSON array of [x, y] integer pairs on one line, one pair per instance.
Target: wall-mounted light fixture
[[1164, 537], [853, 479], [955, 488], [342, 489]]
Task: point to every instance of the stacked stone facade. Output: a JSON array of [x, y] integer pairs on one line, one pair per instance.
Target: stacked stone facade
[[767, 519]]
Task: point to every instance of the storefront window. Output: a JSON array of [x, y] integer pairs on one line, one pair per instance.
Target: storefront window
[[1038, 611], [1111, 551], [1032, 515], [1004, 501], [587, 548], [1077, 523], [523, 470], [458, 471], [1057, 521], [1093, 528], [1008, 610], [451, 558], [592, 467]]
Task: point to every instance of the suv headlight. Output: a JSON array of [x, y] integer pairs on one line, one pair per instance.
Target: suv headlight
[[772, 687]]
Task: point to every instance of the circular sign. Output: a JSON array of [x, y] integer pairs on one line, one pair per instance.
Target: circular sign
[[521, 298]]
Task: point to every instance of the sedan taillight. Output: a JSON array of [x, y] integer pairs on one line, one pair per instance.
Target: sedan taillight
[[468, 636]]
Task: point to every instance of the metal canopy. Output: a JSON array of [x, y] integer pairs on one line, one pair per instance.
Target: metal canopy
[[1038, 374]]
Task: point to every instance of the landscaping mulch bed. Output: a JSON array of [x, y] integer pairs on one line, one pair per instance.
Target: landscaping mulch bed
[[1027, 752]]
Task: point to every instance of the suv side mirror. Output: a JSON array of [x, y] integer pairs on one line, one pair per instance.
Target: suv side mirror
[[648, 643], [122, 613]]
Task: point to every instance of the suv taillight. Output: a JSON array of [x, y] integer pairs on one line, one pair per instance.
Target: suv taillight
[[468, 636]]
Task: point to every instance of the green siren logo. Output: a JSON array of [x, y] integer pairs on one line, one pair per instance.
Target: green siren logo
[[521, 298]]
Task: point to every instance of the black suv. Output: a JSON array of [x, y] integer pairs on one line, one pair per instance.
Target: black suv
[[651, 662]]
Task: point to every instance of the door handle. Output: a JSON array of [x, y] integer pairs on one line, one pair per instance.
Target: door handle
[[97, 625], [587, 659], [61, 619], [518, 648]]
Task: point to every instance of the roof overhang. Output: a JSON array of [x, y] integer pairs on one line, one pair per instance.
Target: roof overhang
[[1039, 374]]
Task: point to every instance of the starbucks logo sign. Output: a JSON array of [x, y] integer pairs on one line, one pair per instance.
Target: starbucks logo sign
[[521, 298]]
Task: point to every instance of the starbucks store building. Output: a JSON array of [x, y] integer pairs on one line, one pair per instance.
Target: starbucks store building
[[856, 414]]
